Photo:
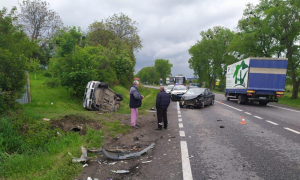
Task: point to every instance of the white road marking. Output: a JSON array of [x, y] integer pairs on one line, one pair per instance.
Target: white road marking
[[180, 125], [181, 133], [248, 113], [179, 112], [285, 108], [233, 107], [217, 101], [273, 123], [186, 166], [292, 130], [258, 117], [180, 119], [179, 115]]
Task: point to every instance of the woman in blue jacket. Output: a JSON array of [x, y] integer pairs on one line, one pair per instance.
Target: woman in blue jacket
[[134, 103]]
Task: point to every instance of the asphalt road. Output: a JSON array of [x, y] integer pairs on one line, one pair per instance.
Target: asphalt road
[[267, 147]]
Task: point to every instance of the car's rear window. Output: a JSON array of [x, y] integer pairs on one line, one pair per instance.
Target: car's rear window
[[195, 91], [180, 88]]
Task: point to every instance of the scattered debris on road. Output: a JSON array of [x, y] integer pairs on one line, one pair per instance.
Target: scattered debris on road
[[222, 126], [85, 165], [144, 162], [125, 155], [120, 171]]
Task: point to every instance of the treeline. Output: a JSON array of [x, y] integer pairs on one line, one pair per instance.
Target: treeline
[[152, 74], [269, 29], [36, 36]]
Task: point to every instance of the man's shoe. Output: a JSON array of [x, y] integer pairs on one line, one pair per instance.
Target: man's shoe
[[135, 127], [158, 129]]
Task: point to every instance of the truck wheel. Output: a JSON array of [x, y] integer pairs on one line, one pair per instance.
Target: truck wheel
[[120, 96], [240, 99], [227, 98], [263, 103]]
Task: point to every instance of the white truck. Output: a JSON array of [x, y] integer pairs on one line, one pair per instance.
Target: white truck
[[256, 79]]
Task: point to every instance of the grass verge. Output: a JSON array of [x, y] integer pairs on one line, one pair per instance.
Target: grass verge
[[31, 148]]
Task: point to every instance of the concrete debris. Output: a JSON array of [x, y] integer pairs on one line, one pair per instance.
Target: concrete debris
[[126, 155], [85, 165], [191, 156], [113, 163], [152, 108], [46, 119], [58, 133], [169, 140], [120, 171], [144, 162], [83, 157], [89, 178], [135, 138]]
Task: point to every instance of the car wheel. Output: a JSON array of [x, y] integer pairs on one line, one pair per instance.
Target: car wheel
[[202, 104], [212, 102], [181, 103]]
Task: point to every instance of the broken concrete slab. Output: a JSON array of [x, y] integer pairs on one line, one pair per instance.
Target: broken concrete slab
[[83, 157]]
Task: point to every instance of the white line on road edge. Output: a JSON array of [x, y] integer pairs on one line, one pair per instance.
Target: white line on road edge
[[179, 115], [180, 125], [182, 133], [258, 117], [179, 112], [186, 166], [180, 119], [284, 108], [292, 130], [273, 123], [217, 101], [248, 113]]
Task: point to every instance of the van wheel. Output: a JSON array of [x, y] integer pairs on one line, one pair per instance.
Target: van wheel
[[102, 84], [120, 96]]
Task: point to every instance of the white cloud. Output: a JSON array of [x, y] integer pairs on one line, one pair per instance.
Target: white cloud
[[168, 27]]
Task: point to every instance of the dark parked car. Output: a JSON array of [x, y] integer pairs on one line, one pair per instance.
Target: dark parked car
[[197, 97]]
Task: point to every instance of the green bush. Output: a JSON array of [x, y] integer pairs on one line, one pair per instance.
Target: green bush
[[47, 73], [52, 82], [10, 141]]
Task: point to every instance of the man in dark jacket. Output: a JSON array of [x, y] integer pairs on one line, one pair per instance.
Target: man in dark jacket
[[162, 104], [134, 103]]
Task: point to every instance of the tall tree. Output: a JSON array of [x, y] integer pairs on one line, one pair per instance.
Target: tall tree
[[283, 18], [98, 34], [122, 27], [210, 56], [38, 21], [15, 47], [163, 68]]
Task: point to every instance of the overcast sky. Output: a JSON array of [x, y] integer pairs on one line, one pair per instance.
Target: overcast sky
[[168, 28]]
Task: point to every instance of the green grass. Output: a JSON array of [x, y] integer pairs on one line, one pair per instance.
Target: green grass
[[286, 100], [147, 103], [37, 152]]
